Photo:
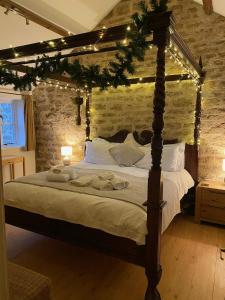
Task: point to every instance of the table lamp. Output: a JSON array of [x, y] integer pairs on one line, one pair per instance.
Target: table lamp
[[66, 152]]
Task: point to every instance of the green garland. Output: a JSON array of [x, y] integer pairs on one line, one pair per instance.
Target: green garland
[[90, 76]]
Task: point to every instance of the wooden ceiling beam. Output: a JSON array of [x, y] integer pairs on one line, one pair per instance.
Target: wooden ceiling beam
[[68, 42], [33, 17], [208, 6], [25, 69]]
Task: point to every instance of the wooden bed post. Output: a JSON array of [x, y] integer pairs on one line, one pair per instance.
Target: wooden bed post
[[198, 105], [3, 259], [155, 202], [198, 113], [88, 121]]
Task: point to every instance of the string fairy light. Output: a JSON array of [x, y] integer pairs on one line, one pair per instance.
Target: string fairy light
[[178, 59]]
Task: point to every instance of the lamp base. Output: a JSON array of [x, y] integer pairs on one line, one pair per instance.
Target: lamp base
[[66, 161]]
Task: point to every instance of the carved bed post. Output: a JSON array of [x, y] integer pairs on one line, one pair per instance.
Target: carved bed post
[[198, 105], [4, 294], [155, 202], [198, 112], [88, 121]]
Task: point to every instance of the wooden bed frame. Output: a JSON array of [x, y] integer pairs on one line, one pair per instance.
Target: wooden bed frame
[[95, 239], [80, 235], [161, 26]]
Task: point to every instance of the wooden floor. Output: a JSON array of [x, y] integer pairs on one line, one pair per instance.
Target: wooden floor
[[192, 268]]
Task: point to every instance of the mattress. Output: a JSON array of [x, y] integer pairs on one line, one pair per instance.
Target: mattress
[[113, 216]]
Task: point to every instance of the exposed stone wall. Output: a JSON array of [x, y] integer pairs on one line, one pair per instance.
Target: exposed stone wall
[[55, 116], [131, 108]]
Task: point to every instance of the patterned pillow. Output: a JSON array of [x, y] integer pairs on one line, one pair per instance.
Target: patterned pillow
[[126, 154]]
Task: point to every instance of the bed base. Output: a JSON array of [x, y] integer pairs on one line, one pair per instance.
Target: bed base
[[78, 235]]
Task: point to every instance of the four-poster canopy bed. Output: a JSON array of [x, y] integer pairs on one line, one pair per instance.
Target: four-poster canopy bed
[[161, 25]]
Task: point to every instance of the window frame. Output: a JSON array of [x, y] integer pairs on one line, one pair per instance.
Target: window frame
[[19, 140]]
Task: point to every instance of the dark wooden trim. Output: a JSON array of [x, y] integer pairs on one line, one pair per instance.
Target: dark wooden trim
[[72, 54], [76, 234], [152, 79], [87, 112], [118, 137], [68, 42], [154, 197], [34, 17], [191, 161], [198, 105]]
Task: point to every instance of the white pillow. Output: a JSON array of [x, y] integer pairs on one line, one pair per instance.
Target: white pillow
[[126, 154], [98, 153], [180, 147], [146, 161], [170, 159], [173, 158]]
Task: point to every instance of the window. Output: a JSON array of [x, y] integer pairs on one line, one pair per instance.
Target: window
[[13, 127]]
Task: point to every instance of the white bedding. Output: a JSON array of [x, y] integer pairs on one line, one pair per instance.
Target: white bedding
[[112, 216]]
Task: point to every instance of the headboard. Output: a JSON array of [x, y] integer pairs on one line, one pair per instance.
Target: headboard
[[144, 137]]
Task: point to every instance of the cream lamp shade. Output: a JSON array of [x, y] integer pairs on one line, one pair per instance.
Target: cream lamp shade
[[66, 152]]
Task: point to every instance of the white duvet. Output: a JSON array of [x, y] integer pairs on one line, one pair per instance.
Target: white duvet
[[112, 216]]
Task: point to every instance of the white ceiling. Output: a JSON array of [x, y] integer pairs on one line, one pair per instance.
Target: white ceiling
[[218, 6], [14, 31], [73, 15], [76, 16]]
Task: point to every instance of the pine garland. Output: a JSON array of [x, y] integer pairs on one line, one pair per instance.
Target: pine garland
[[93, 75]]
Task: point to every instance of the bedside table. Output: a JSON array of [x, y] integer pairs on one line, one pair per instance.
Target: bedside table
[[210, 202]]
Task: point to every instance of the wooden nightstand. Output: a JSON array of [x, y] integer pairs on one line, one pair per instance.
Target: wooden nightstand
[[210, 202]]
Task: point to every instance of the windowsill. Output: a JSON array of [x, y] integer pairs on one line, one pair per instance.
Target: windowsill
[[14, 147]]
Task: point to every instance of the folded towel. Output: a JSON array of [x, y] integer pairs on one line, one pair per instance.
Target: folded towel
[[71, 172], [57, 177], [106, 175], [102, 185], [64, 170], [119, 184], [57, 170], [83, 180]]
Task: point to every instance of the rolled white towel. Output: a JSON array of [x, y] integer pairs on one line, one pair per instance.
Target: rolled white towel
[[106, 175], [57, 170], [119, 184], [57, 177], [102, 185], [64, 170], [82, 181], [71, 172]]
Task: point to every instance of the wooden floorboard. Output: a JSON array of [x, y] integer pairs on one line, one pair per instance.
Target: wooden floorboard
[[192, 268]]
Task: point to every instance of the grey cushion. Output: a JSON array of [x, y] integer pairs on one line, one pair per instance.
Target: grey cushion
[[126, 154]]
